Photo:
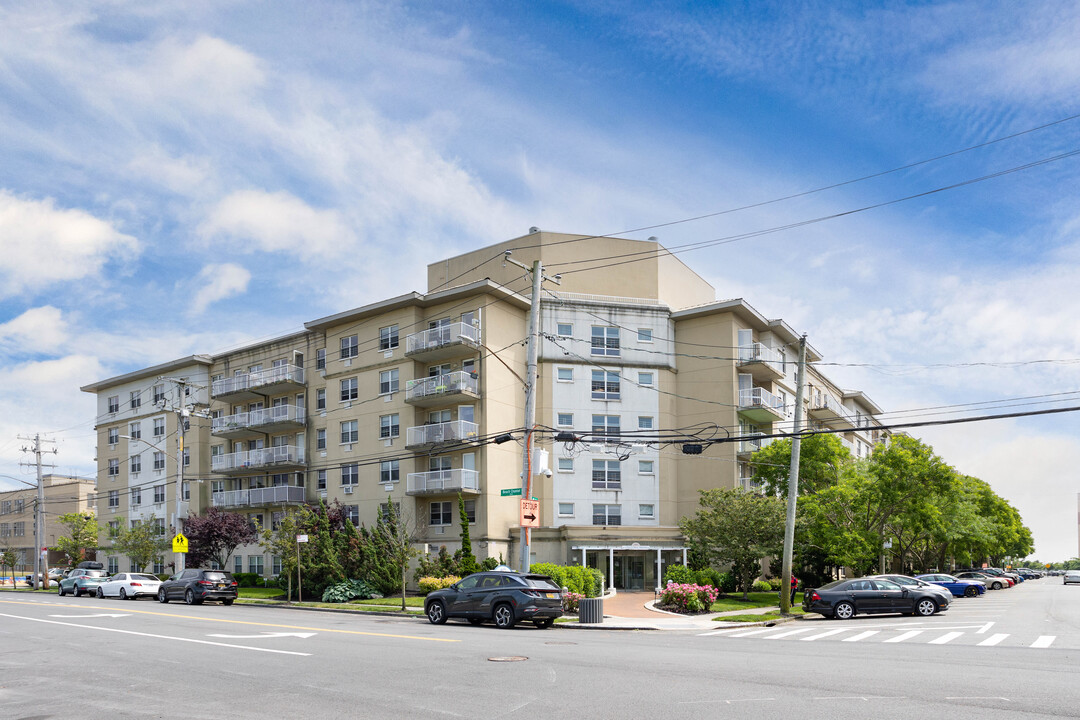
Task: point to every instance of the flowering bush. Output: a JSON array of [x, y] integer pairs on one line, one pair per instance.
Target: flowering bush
[[688, 598], [427, 584], [570, 601]]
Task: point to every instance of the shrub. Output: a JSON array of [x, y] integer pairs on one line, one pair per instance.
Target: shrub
[[680, 575], [428, 584], [775, 584], [571, 601], [348, 590], [761, 586], [727, 583], [708, 576], [489, 563], [248, 579], [687, 598]]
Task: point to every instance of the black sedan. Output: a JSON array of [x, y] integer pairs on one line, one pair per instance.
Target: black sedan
[[844, 599], [195, 586], [506, 598]]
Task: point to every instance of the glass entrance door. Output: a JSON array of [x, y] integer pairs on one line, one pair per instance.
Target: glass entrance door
[[633, 572]]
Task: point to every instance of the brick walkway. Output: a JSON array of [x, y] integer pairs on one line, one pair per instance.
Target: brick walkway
[[629, 604]]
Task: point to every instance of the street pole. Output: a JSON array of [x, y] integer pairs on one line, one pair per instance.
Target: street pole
[[179, 561], [793, 481], [39, 517], [530, 403]]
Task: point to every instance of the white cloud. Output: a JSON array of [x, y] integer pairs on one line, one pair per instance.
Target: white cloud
[[41, 245], [277, 222], [219, 282], [182, 175], [38, 330]]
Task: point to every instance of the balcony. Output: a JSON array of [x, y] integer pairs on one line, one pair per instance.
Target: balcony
[[444, 342], [261, 382], [282, 457], [442, 482], [831, 412], [764, 363], [442, 389], [425, 436], [752, 444], [256, 422], [760, 405], [259, 497]]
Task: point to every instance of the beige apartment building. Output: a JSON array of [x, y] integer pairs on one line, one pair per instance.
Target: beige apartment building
[[402, 401], [63, 494]]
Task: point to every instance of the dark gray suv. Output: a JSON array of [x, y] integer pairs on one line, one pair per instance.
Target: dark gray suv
[[195, 586], [505, 598]]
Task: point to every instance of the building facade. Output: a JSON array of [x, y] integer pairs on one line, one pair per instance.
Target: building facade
[[401, 401], [63, 495]]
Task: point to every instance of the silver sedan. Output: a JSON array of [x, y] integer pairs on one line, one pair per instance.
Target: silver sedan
[[128, 586]]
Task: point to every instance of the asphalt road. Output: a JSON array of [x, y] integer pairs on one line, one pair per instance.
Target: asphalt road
[[112, 659]]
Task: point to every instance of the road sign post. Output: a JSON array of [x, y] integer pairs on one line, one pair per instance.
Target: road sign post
[[299, 587]]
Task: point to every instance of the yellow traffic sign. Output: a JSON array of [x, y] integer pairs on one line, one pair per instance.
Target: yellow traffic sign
[[179, 543]]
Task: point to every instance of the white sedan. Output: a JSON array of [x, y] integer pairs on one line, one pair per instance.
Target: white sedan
[[128, 586]]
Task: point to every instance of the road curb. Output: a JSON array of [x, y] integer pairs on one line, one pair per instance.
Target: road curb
[[349, 611]]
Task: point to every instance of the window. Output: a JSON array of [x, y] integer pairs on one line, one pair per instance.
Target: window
[[135, 399], [565, 374], [606, 515], [645, 378], [114, 403], [159, 427], [5, 507], [135, 430], [645, 422], [159, 493], [136, 496], [565, 420], [238, 564], [320, 439], [441, 513], [320, 359], [384, 510], [606, 475], [159, 565], [275, 565], [350, 431], [352, 514], [114, 436], [114, 498], [348, 389], [320, 480], [135, 463], [113, 566], [186, 457], [605, 385], [605, 341], [388, 381], [113, 528], [255, 564], [159, 394], [350, 474], [389, 426], [279, 480], [645, 510], [605, 428], [186, 492], [159, 525], [349, 347], [389, 471], [114, 467], [19, 529], [20, 505], [470, 511], [566, 509], [159, 461], [5, 530], [564, 329], [566, 464], [644, 335], [388, 337], [320, 399], [645, 467]]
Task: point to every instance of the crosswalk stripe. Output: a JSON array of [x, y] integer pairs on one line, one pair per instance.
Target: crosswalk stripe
[[827, 633], [904, 636], [725, 631], [789, 632], [994, 639], [753, 632], [860, 636], [947, 637], [1044, 641]]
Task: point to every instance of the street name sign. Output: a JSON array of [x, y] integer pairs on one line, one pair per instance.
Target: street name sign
[[507, 492]]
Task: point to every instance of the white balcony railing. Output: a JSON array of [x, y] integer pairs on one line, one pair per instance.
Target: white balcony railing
[[256, 418], [455, 431], [754, 443], [260, 457], [760, 397], [834, 406], [438, 481], [756, 352], [442, 335], [259, 378], [449, 383], [258, 496]]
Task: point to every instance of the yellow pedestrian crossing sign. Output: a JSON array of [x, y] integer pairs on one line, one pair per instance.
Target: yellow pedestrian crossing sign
[[179, 543]]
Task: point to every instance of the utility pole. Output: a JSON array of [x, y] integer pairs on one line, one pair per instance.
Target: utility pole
[[537, 271], [39, 503], [793, 481], [182, 413]]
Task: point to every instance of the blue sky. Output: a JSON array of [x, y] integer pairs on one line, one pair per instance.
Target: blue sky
[[184, 177]]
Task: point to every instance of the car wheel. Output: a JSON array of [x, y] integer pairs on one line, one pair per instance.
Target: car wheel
[[436, 613], [123, 594], [161, 596], [996, 586], [544, 624], [971, 591], [189, 597], [504, 617], [475, 621], [227, 601], [925, 607], [844, 611], [76, 591], [100, 593], [60, 590]]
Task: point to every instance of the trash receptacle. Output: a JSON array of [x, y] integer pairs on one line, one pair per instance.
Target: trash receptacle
[[591, 610]]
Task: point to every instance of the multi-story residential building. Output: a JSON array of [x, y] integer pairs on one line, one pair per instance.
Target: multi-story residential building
[[398, 401], [63, 495]]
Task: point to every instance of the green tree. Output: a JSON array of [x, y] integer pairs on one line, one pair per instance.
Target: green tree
[[282, 543], [8, 558], [467, 561], [736, 527], [82, 537], [141, 544], [394, 536]]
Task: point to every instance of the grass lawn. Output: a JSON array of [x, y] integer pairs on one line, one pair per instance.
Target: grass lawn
[[416, 602], [755, 600], [751, 617], [262, 593]]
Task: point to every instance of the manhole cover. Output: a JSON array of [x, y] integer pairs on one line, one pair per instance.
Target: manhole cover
[[508, 658], [560, 642]]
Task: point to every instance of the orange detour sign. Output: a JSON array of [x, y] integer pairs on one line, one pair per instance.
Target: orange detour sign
[[530, 513]]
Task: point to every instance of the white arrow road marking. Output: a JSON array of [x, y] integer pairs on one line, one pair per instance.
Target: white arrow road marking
[[263, 635], [97, 615]]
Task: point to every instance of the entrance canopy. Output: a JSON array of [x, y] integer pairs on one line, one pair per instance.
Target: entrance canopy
[[635, 548]]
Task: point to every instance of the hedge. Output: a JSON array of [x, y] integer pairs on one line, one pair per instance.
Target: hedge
[[583, 580]]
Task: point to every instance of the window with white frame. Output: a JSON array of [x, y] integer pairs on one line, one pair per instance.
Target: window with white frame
[[19, 529], [114, 467], [186, 456], [605, 341], [605, 428], [114, 498], [255, 564], [607, 515], [159, 461], [320, 439], [320, 480], [389, 426], [565, 420], [320, 359], [135, 399], [388, 381], [350, 474], [136, 496], [113, 565], [320, 399], [238, 564], [349, 389], [5, 507], [606, 475], [564, 330], [470, 511], [645, 379], [644, 335], [159, 493], [159, 394], [5, 530], [384, 510], [646, 510], [275, 565], [566, 464], [159, 427], [645, 467], [159, 526], [20, 505], [441, 513], [566, 509], [564, 374], [350, 431], [186, 491], [605, 385], [350, 347], [135, 430], [114, 436], [159, 565], [352, 514], [645, 422], [114, 403], [388, 337], [389, 471]]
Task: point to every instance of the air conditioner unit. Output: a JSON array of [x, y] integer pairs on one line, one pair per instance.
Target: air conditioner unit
[[348, 489]]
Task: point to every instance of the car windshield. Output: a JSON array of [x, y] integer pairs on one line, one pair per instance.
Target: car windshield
[[542, 582], [215, 576], [901, 580], [832, 585]]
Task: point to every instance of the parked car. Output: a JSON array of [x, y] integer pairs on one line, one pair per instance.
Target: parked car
[[845, 599], [992, 581], [1071, 576], [1014, 576], [195, 586], [81, 580], [908, 581], [129, 586], [56, 574], [506, 598], [958, 587]]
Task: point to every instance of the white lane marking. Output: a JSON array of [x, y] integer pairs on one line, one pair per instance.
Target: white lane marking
[[748, 633], [160, 637], [264, 635], [860, 636], [946, 638], [721, 632], [789, 632], [866, 698], [827, 633], [904, 636], [993, 639], [90, 616], [1044, 641], [702, 702], [978, 697]]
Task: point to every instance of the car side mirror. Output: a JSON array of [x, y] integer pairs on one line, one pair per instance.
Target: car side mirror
[[905, 590]]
